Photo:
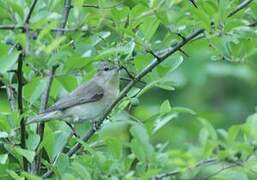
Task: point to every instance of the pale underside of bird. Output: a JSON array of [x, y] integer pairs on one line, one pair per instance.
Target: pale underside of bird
[[87, 102]]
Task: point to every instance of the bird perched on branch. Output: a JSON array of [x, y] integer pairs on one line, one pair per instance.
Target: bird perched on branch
[[87, 102]]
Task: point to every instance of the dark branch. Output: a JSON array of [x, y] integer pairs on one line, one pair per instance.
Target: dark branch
[[241, 6], [193, 2], [20, 107], [11, 27], [41, 126], [66, 12], [99, 7], [45, 97], [11, 97], [91, 6], [55, 30], [27, 19], [253, 24], [177, 172]]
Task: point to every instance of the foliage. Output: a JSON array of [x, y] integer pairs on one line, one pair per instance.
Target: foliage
[[191, 117]]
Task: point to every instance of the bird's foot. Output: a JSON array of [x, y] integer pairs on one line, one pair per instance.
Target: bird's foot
[[95, 125], [74, 132]]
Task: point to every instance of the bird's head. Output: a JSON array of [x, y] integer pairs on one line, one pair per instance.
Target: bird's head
[[108, 72]]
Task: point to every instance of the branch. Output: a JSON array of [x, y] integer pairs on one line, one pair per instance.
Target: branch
[[240, 7], [27, 19], [253, 24], [44, 100], [11, 97], [98, 7], [66, 12], [20, 107], [40, 128], [193, 2], [22, 27], [145, 71], [177, 172], [11, 27]]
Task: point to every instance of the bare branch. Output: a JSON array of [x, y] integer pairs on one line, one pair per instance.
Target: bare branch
[[66, 12], [40, 128], [45, 97], [27, 19], [11, 97], [241, 6], [99, 7], [55, 30], [193, 2], [20, 107], [177, 172], [11, 27], [253, 24]]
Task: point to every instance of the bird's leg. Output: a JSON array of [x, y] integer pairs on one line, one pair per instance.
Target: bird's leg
[[73, 130], [95, 125]]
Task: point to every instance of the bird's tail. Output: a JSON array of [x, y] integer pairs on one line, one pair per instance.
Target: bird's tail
[[44, 117]]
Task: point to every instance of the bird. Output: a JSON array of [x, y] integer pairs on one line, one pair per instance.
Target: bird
[[87, 102]]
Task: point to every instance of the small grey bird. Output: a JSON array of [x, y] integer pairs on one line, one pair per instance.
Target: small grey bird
[[87, 102]]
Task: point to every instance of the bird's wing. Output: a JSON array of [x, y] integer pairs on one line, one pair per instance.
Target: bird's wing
[[90, 92]]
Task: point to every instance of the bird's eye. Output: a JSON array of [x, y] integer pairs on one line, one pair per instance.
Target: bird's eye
[[106, 69]]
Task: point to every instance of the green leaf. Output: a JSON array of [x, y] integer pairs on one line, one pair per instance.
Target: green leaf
[[207, 125], [29, 155], [54, 45], [30, 176], [183, 110], [63, 163], [68, 82], [55, 141], [142, 61], [162, 121], [81, 170], [140, 145], [3, 134], [7, 61], [115, 145], [32, 141], [152, 22], [3, 158], [14, 175], [165, 107], [34, 89]]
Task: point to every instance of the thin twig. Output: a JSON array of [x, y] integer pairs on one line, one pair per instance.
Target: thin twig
[[32, 7], [11, 27], [11, 97], [45, 97], [145, 71], [241, 6], [253, 24], [218, 171], [20, 107], [177, 172], [193, 2], [20, 80], [99, 7], [66, 12], [22, 27], [41, 126], [27, 19]]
